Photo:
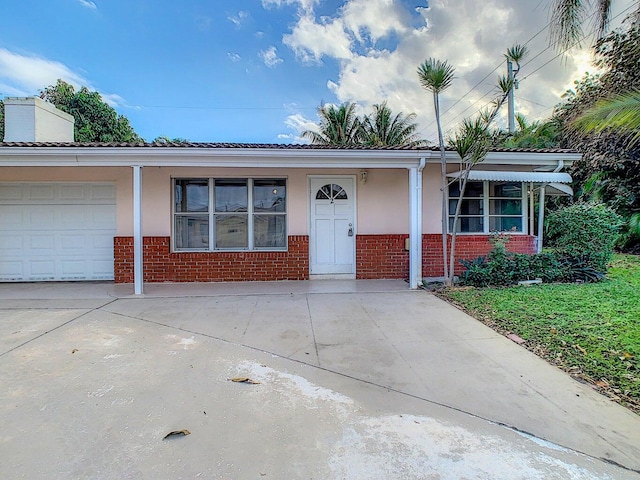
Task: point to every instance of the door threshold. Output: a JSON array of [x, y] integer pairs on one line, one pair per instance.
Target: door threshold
[[339, 276]]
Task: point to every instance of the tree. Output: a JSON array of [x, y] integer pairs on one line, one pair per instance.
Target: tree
[[95, 120], [620, 112], [529, 135], [436, 77], [382, 128], [609, 170], [472, 142], [338, 126], [569, 16]]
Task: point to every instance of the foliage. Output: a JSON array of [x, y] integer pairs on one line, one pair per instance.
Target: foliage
[[504, 268], [610, 166], [382, 128], [95, 120], [164, 140], [569, 16], [341, 126], [436, 76], [590, 330], [620, 113], [586, 232], [472, 142], [338, 126], [529, 135]]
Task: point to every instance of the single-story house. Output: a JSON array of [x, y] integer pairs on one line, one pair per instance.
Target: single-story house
[[209, 212]]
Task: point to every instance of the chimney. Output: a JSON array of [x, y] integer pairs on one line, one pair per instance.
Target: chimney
[[32, 119]]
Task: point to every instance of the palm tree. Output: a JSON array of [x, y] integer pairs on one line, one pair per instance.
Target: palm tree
[[569, 16], [529, 135], [620, 113], [436, 77], [381, 128], [338, 126]]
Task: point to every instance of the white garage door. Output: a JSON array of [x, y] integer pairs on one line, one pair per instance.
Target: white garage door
[[57, 231]]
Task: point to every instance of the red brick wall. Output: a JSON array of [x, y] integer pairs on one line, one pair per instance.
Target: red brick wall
[[161, 265], [467, 247], [381, 256], [377, 257]]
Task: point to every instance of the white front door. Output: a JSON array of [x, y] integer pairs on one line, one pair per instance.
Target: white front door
[[333, 233]]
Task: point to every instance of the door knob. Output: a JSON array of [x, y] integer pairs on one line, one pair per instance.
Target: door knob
[[350, 230]]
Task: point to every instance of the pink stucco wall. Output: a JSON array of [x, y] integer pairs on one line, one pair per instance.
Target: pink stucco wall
[[382, 202]]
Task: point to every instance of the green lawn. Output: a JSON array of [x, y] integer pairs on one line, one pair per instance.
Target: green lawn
[[590, 330]]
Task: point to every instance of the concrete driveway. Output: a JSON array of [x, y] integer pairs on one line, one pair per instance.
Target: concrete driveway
[[357, 380]]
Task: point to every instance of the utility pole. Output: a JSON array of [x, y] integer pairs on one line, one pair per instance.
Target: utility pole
[[512, 119]]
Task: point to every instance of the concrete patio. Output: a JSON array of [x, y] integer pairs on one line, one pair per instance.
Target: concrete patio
[[357, 379]]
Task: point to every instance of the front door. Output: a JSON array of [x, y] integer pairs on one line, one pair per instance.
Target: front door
[[332, 240]]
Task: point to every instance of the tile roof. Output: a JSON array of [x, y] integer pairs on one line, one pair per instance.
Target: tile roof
[[270, 146]]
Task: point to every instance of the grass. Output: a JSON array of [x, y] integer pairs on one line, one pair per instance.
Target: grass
[[590, 330]]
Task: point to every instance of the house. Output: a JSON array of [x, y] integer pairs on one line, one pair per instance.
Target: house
[[210, 212]]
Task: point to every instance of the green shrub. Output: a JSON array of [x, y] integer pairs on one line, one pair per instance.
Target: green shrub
[[584, 233], [503, 268]]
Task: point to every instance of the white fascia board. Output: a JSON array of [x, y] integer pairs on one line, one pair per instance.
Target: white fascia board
[[254, 157], [202, 157]]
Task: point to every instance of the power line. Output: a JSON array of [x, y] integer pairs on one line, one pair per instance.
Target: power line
[[577, 42]]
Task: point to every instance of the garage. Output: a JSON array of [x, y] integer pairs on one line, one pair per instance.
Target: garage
[[57, 231]]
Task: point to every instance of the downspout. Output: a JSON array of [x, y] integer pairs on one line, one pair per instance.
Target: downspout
[[137, 230], [415, 238], [559, 167], [423, 162]]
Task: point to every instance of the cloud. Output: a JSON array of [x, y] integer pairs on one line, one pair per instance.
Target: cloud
[[270, 57], [25, 75], [88, 4], [303, 5], [238, 19], [299, 123], [379, 44], [234, 57]]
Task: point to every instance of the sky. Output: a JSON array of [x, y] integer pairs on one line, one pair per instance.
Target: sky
[[256, 71]]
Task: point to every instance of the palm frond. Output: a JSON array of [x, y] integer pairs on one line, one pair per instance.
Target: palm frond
[[620, 113]]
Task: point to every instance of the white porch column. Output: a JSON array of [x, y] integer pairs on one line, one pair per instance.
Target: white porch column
[[540, 218], [414, 244], [137, 230]]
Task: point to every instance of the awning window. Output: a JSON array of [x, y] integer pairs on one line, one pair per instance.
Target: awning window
[[556, 182]]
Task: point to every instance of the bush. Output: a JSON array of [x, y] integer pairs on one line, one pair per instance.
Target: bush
[[503, 268], [584, 233]]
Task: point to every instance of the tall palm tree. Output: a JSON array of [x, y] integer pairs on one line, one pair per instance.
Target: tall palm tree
[[569, 16], [381, 128], [436, 76], [338, 126]]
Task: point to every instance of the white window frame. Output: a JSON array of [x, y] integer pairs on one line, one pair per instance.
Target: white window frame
[[211, 215], [486, 204]]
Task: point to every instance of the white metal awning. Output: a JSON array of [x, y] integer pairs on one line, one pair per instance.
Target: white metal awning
[[556, 182]]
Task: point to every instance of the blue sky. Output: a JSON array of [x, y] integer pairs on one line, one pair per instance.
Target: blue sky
[[256, 70]]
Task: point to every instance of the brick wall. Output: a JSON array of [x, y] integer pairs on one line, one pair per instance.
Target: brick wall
[[377, 257], [381, 256], [161, 265], [467, 247]]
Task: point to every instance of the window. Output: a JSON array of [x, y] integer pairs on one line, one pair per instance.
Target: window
[[488, 207], [229, 214]]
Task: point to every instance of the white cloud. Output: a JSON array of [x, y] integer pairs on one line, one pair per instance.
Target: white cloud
[[238, 19], [303, 5], [379, 45], [299, 123], [88, 4], [270, 57], [25, 75], [234, 57]]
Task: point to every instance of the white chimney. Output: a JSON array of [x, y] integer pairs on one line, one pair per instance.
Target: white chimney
[[32, 119]]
